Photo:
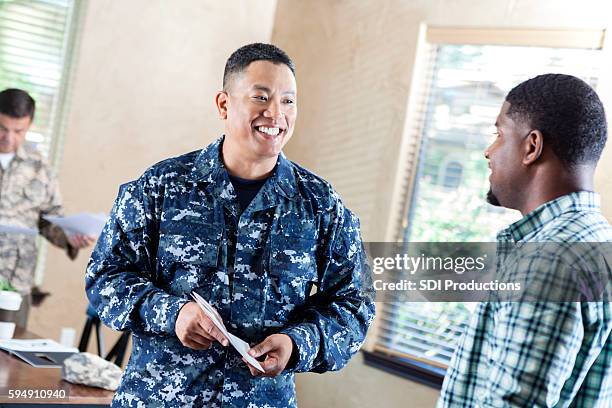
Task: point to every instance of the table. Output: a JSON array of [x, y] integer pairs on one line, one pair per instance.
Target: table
[[16, 374]]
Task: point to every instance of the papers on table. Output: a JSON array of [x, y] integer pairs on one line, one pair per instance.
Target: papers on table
[[47, 345], [39, 352], [82, 223], [240, 345], [14, 229]]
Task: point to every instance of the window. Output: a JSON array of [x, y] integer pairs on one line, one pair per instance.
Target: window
[[34, 42], [467, 84], [452, 175]]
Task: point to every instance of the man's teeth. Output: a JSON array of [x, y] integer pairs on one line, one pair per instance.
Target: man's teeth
[[269, 131]]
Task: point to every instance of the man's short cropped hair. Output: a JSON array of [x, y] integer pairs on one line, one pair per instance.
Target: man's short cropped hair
[[17, 103], [243, 56], [567, 111]]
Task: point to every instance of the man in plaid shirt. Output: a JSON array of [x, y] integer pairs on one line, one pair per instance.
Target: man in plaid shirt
[[550, 134]]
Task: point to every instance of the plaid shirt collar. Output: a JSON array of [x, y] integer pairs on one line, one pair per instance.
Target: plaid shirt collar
[[532, 223]]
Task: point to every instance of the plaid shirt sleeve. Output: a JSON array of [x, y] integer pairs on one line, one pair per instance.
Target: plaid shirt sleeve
[[534, 347], [529, 353], [536, 351]]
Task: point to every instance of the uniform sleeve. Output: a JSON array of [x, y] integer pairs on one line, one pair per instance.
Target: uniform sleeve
[[53, 206], [334, 324], [119, 280]]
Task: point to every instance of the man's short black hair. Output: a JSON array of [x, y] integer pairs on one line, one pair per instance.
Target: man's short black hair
[[17, 103], [243, 56], [567, 111]]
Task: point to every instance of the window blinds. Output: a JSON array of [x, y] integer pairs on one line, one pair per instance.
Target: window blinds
[[463, 88], [34, 39]]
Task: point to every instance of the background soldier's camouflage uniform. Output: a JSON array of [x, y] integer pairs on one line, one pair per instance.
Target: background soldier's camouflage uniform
[[28, 190], [178, 228]]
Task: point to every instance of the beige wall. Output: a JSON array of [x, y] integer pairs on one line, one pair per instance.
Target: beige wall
[[143, 86], [142, 90], [359, 386], [355, 62]]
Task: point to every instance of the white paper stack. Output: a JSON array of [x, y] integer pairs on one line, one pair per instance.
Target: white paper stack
[[40, 353], [240, 345], [40, 345]]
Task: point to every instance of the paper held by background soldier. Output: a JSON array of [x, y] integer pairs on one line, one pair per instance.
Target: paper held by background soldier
[[15, 229], [82, 223]]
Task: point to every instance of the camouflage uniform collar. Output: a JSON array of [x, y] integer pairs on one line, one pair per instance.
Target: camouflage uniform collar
[[208, 167], [285, 177], [21, 153]]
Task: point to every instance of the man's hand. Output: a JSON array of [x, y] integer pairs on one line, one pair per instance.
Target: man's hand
[[79, 241], [195, 330], [278, 349]]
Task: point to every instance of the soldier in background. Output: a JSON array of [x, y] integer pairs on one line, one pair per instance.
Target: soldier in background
[[28, 191]]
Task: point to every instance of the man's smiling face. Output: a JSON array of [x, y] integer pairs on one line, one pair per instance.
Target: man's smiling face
[[261, 109]]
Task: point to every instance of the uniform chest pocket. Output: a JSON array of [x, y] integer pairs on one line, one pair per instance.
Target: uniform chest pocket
[[188, 255], [34, 192], [291, 275]]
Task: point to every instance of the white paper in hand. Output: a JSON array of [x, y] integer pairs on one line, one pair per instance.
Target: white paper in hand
[[14, 229], [240, 345], [82, 223]]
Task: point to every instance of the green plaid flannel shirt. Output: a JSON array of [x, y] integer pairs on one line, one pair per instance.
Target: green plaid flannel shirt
[[539, 354]]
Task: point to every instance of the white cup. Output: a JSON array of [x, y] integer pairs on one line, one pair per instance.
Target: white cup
[[7, 329], [67, 336], [10, 300]]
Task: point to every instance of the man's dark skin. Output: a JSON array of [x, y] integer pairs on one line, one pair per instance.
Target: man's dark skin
[[525, 172]]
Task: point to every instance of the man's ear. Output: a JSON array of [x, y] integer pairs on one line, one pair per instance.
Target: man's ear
[[221, 102], [533, 146]]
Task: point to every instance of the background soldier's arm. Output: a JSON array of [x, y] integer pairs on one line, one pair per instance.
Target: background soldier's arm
[[53, 206]]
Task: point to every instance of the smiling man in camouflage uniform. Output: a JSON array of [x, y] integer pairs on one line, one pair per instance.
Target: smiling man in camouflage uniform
[[28, 192], [267, 243]]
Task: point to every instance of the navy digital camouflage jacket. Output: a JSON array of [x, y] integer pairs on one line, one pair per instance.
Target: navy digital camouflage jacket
[[292, 262]]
